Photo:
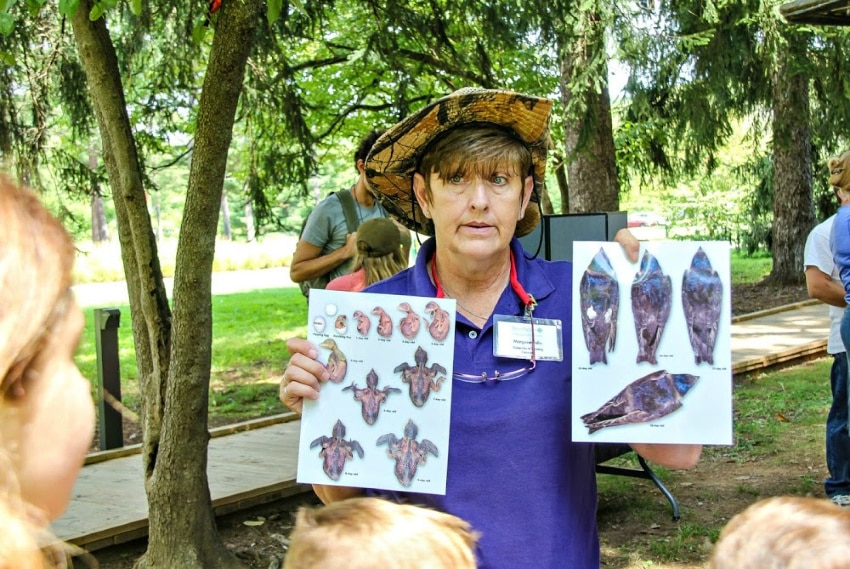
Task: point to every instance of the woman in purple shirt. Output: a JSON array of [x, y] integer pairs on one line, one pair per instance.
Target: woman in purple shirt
[[465, 169]]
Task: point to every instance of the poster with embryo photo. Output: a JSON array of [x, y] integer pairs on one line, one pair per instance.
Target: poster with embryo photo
[[382, 419]]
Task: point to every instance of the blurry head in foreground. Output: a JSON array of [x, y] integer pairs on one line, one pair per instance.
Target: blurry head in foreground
[[46, 414], [788, 533], [371, 533]]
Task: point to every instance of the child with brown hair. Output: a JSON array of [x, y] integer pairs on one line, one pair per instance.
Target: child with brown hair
[[371, 533]]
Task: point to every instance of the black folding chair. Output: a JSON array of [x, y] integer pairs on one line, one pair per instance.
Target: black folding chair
[[605, 452]]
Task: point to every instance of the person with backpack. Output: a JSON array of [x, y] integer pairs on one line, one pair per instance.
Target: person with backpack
[[328, 240]]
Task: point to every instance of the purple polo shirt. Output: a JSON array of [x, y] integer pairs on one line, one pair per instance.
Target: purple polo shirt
[[513, 472]]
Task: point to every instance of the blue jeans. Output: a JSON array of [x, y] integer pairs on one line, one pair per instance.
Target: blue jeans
[[837, 435]]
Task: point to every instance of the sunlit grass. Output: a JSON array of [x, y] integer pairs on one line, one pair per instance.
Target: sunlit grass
[[746, 270], [248, 352]]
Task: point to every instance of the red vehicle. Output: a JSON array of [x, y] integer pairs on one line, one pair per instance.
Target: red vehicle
[[645, 219]]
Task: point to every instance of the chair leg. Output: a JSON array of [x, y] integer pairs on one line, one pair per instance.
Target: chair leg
[[652, 476]]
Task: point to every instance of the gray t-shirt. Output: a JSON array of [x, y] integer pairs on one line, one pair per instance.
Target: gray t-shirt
[[326, 227]]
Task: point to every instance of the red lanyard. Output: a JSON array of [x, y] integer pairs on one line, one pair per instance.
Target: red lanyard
[[527, 300]]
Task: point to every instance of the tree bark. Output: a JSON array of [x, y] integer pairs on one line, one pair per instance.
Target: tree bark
[[182, 523], [149, 309], [793, 203], [588, 140], [173, 367]]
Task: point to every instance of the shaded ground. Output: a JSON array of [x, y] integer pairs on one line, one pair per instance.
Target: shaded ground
[[710, 494]]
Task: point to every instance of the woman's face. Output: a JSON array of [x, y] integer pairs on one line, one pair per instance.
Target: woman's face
[[475, 215], [56, 419]]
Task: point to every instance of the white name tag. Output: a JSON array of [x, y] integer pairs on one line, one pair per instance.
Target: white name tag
[[512, 338]]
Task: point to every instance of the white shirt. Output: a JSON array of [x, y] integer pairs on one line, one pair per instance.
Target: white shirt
[[818, 254]]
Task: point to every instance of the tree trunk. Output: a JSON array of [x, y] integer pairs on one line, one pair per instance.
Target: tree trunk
[[250, 233], [99, 229], [182, 523], [793, 204], [149, 309], [225, 217], [589, 140], [563, 185]]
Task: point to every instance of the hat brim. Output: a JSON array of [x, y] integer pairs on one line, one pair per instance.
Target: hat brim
[[397, 153]]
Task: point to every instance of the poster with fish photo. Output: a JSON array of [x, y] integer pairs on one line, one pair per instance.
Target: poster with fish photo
[[651, 343], [382, 420]]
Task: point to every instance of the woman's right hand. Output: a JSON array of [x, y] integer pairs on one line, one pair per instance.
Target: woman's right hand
[[303, 376]]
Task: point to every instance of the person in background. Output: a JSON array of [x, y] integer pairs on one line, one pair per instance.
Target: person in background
[[823, 283], [47, 412], [786, 532], [327, 247], [379, 256], [370, 533], [465, 169]]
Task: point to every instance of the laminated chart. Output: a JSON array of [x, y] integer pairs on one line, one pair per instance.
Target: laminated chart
[[382, 420], [651, 341]]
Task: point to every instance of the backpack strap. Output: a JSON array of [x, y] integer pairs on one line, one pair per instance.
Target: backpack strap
[[349, 209]]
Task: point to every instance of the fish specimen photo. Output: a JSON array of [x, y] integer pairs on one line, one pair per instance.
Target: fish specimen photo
[[599, 296], [385, 323], [409, 325], [702, 296], [363, 323], [371, 397], [337, 364], [439, 325], [407, 452], [652, 297], [336, 450], [646, 399], [420, 377]]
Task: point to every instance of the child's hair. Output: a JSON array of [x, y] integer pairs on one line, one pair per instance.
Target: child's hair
[[839, 172], [362, 533], [36, 257], [379, 250], [788, 532]]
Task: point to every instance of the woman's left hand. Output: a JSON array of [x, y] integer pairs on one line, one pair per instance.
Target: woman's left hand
[[630, 244]]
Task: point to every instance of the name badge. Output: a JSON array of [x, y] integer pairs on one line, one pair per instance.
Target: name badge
[[512, 338]]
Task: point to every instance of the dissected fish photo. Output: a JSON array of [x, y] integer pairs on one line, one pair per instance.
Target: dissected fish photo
[[337, 364], [440, 323], [599, 295], [363, 324], [409, 325], [407, 452], [336, 450], [646, 399], [702, 298], [422, 379], [371, 397], [652, 297], [385, 323]]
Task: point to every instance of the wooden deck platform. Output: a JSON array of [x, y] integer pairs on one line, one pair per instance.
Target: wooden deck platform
[[256, 462]]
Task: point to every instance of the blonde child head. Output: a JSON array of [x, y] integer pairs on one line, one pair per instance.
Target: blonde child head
[[371, 533]]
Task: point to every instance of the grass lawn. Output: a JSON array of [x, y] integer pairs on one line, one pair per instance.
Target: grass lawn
[[248, 353]]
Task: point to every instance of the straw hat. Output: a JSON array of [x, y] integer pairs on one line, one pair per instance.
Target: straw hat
[[397, 153]]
